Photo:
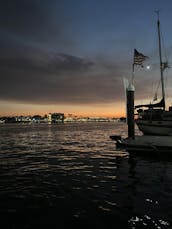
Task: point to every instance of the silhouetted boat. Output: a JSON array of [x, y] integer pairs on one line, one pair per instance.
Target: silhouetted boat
[[155, 119], [146, 144]]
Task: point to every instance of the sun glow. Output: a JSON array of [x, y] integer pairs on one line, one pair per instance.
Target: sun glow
[[90, 110]]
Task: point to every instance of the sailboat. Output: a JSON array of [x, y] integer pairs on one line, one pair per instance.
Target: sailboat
[[155, 119]]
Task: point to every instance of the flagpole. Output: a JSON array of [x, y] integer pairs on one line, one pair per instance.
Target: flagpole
[[132, 78]]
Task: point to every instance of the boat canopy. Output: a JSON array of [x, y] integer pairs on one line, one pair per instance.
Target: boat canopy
[[159, 104]]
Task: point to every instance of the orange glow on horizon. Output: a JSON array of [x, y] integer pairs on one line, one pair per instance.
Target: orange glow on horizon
[[94, 110]]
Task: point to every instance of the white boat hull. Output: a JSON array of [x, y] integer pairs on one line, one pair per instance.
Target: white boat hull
[[147, 144]]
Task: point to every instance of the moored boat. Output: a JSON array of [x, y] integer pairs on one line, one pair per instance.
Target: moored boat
[[154, 121], [154, 118], [146, 144]]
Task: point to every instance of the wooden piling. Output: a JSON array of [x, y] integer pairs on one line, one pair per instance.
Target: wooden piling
[[130, 111]]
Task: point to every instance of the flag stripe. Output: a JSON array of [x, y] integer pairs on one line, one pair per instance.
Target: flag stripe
[[138, 57]]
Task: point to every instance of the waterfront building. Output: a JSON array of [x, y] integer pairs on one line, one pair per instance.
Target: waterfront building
[[56, 118]]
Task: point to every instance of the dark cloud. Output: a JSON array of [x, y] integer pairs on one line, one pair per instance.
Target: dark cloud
[[56, 78], [34, 69], [34, 24], [25, 18], [65, 63], [56, 63]]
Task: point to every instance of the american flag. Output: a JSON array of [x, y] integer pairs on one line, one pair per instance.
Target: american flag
[[138, 58]]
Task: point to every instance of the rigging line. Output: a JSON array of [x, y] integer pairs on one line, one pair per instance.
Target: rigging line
[[158, 86], [170, 52], [164, 48], [166, 59], [156, 91], [152, 88], [166, 80]]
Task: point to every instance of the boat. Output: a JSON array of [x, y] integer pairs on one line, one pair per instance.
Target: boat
[[154, 121], [2, 121], [154, 118], [146, 145]]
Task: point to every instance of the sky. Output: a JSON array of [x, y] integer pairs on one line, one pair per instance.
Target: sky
[[71, 56]]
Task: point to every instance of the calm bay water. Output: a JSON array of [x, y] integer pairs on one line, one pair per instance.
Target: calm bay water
[[52, 176]]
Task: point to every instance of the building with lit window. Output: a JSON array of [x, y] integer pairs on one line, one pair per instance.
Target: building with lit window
[[56, 118]]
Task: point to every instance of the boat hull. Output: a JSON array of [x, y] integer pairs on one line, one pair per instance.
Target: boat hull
[[161, 145], [155, 127]]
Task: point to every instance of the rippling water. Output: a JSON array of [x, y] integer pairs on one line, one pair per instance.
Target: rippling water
[[52, 176]]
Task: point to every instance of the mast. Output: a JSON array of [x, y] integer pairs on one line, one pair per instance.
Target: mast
[[160, 59]]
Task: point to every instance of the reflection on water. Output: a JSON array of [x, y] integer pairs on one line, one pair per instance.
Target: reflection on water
[[145, 189], [71, 175]]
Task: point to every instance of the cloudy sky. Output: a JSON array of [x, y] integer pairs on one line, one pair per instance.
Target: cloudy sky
[[71, 55]]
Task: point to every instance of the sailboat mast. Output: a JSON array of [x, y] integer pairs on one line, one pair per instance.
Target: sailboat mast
[[160, 59]]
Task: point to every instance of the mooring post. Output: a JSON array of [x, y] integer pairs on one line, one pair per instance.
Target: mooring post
[[130, 110]]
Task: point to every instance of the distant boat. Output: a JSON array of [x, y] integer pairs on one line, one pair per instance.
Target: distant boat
[[154, 119], [122, 119]]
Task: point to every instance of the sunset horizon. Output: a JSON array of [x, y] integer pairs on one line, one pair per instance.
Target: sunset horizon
[[72, 57], [85, 111]]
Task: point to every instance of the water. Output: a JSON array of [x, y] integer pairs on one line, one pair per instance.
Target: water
[[56, 176]]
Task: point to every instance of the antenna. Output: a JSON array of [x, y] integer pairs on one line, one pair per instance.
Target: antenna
[[157, 12]]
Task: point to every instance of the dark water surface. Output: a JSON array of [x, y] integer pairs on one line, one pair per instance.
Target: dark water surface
[[56, 176]]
